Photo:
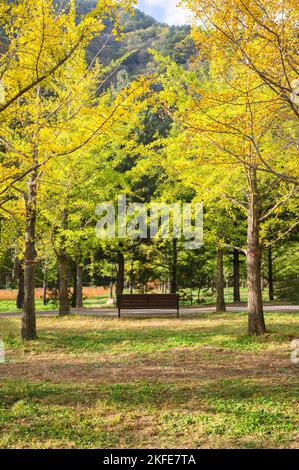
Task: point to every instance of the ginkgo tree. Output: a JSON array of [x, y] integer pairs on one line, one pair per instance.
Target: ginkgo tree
[[51, 38], [70, 190], [40, 39], [71, 135], [227, 122], [262, 37], [54, 119]]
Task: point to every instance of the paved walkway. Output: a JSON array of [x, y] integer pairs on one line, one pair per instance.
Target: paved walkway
[[111, 312]]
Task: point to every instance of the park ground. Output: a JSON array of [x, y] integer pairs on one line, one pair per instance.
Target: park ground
[[9, 305], [154, 382]]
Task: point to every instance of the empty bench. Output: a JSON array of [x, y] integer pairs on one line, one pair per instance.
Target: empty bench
[[148, 302]]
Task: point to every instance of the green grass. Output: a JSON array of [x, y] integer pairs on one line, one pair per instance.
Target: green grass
[[196, 382], [98, 302], [207, 296], [9, 306]]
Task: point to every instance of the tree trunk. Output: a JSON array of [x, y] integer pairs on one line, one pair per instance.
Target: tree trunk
[[220, 301], [270, 274], [256, 321], [79, 290], [21, 289], [19, 276], [120, 280], [132, 277], [45, 285], [64, 305], [111, 290], [191, 296], [28, 329], [173, 284], [74, 293], [237, 296]]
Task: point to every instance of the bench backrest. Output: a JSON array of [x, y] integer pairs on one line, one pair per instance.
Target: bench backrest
[[148, 301]]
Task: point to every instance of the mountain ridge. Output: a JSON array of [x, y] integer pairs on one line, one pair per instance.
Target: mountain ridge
[[141, 32]]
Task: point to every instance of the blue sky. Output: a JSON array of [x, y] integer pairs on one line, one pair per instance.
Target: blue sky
[[164, 10]]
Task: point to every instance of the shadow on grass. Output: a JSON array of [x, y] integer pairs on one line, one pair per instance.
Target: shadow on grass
[[148, 338], [153, 339], [157, 394], [147, 412]]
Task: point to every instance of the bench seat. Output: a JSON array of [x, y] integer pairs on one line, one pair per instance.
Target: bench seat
[[148, 302]]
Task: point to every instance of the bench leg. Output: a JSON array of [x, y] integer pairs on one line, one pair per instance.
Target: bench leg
[[178, 312]]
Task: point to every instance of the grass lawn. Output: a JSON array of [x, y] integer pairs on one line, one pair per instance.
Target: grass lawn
[[9, 306], [165, 383]]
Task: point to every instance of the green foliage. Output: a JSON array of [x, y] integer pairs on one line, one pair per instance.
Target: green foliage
[[287, 288], [140, 33]]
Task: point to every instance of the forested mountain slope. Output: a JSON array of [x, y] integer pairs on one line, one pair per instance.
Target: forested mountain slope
[[140, 33]]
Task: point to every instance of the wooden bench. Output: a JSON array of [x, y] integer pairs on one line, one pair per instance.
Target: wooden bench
[[148, 302]]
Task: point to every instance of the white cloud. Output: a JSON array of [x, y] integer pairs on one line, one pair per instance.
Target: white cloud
[[172, 13], [176, 15]]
